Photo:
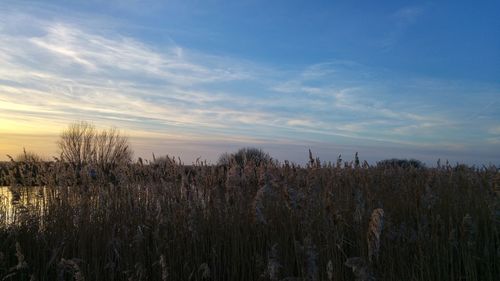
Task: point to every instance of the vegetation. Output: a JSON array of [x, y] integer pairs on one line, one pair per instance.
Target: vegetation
[[162, 220], [244, 156], [82, 146], [402, 163]]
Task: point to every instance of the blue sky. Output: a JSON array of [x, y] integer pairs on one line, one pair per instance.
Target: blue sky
[[198, 78]]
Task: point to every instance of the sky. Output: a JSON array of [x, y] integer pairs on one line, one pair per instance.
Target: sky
[[194, 79]]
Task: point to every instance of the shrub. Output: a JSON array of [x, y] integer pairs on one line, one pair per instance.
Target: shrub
[[401, 163], [82, 146], [245, 155]]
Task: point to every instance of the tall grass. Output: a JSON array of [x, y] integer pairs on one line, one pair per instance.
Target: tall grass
[[163, 220]]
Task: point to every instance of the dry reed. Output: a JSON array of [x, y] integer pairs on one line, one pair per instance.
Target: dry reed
[[162, 220]]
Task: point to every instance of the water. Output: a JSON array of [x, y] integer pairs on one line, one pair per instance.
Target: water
[[21, 201]]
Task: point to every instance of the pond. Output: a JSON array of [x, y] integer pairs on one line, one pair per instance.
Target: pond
[[20, 201]]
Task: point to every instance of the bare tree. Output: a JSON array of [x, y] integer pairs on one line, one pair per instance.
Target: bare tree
[[111, 149], [82, 145], [77, 144]]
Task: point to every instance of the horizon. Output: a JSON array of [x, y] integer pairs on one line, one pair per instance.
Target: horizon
[[193, 150], [195, 80]]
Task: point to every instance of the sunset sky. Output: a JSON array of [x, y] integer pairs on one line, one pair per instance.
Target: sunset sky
[[195, 79]]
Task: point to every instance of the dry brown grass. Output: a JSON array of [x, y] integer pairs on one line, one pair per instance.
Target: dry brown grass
[[375, 228], [163, 220]]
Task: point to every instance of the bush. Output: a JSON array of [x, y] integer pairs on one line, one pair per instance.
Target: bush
[[401, 163], [101, 152], [244, 155]]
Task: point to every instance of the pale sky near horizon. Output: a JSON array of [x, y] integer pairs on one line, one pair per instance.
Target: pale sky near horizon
[[405, 79]]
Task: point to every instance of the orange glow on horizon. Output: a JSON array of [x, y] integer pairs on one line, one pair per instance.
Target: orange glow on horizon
[[28, 127], [13, 144], [19, 134]]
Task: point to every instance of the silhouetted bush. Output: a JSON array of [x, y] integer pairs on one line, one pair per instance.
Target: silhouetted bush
[[94, 153], [244, 155], [401, 163]]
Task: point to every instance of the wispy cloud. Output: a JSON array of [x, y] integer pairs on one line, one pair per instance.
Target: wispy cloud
[[408, 15], [67, 71], [400, 21], [55, 71]]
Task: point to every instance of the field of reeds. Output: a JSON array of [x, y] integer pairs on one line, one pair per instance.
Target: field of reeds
[[162, 220]]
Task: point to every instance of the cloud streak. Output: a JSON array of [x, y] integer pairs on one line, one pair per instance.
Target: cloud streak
[[53, 72]]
